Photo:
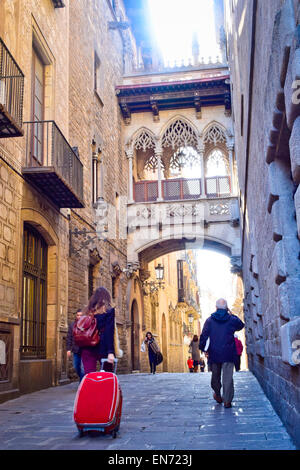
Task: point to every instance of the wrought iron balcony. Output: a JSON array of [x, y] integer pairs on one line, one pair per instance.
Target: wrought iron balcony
[[52, 164], [182, 189], [11, 95]]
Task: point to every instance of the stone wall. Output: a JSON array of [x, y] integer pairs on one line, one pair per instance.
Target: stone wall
[[86, 110], [95, 125], [25, 24], [263, 49]]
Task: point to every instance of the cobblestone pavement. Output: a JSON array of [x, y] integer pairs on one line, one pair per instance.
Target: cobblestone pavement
[[161, 412]]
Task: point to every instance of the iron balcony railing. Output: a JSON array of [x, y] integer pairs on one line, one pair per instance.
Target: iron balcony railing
[[47, 148], [182, 188], [11, 94]]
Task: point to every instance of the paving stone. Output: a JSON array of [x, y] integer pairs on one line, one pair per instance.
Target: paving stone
[[181, 415]]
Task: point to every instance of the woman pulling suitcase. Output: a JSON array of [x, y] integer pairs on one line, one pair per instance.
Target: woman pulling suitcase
[[100, 309], [98, 402]]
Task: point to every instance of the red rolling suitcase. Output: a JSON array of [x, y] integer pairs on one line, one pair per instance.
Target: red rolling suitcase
[[98, 402]]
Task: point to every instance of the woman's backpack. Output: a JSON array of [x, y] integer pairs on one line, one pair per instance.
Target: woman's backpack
[[85, 331]]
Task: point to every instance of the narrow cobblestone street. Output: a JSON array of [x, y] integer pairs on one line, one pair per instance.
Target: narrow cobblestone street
[[161, 412]]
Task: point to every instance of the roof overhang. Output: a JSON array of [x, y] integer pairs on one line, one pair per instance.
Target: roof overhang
[[155, 97]]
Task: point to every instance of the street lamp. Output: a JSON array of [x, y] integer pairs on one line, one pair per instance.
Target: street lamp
[[159, 283], [159, 271]]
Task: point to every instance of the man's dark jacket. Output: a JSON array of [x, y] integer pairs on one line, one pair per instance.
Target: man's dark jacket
[[71, 346], [220, 328]]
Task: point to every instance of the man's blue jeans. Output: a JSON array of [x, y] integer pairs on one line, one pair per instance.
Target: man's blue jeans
[[78, 365]]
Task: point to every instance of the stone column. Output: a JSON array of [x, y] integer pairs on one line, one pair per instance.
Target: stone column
[[230, 147], [201, 155], [158, 154], [129, 154]]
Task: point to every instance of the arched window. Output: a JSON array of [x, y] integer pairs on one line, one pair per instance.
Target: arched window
[[150, 168], [185, 163], [144, 145], [217, 174], [34, 308], [216, 164]]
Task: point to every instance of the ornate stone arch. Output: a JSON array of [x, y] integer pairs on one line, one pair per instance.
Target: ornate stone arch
[[176, 138], [215, 133], [216, 138], [143, 143], [179, 132], [143, 139]]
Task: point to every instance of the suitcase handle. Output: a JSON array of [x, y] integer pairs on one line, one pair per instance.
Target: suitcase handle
[[106, 360]]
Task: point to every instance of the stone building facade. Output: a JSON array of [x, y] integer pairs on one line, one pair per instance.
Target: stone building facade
[[96, 65], [53, 175], [34, 235], [263, 53]]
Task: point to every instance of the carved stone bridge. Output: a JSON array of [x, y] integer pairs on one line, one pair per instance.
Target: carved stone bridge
[[158, 228], [182, 175]]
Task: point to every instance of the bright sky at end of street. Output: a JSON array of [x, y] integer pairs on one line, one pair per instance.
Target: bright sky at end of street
[[175, 22], [215, 280]]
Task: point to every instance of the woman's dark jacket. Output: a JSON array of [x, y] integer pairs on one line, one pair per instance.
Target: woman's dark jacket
[[194, 350], [220, 328], [106, 326], [153, 348]]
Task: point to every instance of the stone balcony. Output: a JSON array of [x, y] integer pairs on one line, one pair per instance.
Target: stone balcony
[[182, 189]]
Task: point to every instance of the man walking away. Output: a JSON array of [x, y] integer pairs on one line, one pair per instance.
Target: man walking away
[[73, 348], [221, 353]]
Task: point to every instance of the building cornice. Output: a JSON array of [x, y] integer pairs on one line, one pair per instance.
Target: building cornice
[[177, 94]]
